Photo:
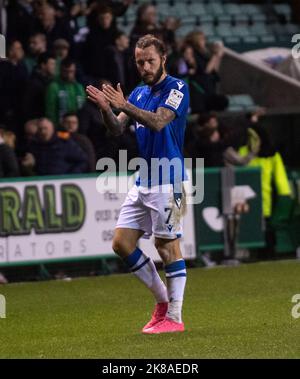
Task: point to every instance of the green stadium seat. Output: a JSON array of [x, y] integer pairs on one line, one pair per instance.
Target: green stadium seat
[[241, 18], [197, 9], [208, 29], [181, 10], [268, 39], [224, 19], [232, 40], [215, 9], [206, 19], [183, 30], [259, 29], [241, 30], [250, 39], [258, 17], [232, 9], [224, 30]]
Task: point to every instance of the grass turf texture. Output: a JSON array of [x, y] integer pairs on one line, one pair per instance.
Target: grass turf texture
[[237, 312]]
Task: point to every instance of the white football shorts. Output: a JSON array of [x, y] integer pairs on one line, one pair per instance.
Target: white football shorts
[[154, 210]]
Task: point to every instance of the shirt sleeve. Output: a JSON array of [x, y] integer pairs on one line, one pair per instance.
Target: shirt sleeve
[[176, 97], [131, 97]]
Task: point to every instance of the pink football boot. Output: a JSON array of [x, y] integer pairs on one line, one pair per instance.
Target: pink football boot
[[165, 326], [157, 316]]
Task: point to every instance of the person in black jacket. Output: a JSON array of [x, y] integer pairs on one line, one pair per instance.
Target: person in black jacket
[[116, 59], [52, 26], [101, 35], [53, 154], [8, 161], [70, 124], [34, 99]]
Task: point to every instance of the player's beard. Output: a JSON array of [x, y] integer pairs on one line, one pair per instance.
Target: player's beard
[[156, 77]]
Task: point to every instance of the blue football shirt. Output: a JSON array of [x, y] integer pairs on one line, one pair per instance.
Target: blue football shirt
[[167, 144]]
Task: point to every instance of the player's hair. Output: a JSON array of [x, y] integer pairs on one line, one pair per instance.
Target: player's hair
[[151, 40]]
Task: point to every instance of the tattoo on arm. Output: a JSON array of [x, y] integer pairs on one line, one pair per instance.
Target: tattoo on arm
[[155, 121], [116, 125]]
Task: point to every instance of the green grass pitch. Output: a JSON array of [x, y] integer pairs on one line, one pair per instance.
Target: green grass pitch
[[233, 312]]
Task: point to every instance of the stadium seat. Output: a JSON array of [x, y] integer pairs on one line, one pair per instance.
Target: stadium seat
[[197, 9], [208, 29], [192, 20], [268, 39], [258, 17], [259, 29], [224, 30], [206, 19], [232, 9], [241, 30], [215, 9], [224, 19], [250, 39], [241, 18], [183, 30], [232, 40], [250, 9]]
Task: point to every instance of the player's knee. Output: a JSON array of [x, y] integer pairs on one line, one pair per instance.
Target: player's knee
[[117, 245], [121, 247]]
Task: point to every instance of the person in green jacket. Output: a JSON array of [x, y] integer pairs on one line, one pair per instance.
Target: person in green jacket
[[65, 94]]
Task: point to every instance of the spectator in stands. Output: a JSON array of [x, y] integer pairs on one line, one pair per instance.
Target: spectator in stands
[[116, 58], [92, 125], [20, 20], [37, 46], [146, 22], [51, 154], [65, 94], [18, 84], [52, 26], [61, 50], [30, 130], [8, 161], [206, 75], [118, 8], [101, 35], [212, 141], [70, 123], [34, 100]]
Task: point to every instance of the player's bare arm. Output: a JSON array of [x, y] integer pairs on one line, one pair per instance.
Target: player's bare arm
[[115, 124], [153, 120]]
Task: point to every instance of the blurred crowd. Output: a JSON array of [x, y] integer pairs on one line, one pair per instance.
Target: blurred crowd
[[54, 49]]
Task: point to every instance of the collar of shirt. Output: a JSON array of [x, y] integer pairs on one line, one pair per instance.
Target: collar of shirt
[[158, 86]]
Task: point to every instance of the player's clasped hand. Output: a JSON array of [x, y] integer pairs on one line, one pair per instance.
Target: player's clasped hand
[[97, 97], [115, 97]]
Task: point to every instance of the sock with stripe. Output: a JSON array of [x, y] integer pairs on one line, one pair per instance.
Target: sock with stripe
[[144, 268], [176, 279]]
